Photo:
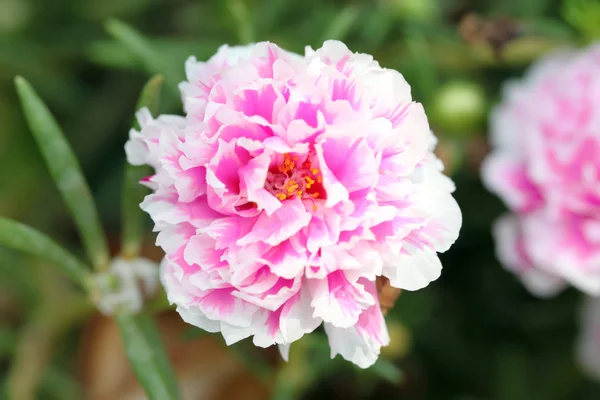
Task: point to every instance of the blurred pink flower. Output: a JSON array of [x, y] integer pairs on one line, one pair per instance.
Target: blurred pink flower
[[290, 185], [546, 166]]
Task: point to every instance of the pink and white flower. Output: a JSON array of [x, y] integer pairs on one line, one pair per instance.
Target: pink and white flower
[[289, 186], [545, 164]]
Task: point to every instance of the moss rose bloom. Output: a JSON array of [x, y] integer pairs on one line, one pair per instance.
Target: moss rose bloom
[[545, 165], [289, 186]]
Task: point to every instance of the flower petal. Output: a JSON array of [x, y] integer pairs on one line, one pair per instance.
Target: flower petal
[[362, 342]]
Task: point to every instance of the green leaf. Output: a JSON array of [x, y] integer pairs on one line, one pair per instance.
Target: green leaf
[[20, 237], [583, 15], [238, 9], [375, 27], [114, 54], [386, 370], [147, 356], [66, 172], [138, 45], [133, 191], [342, 24], [548, 27], [150, 96], [423, 66], [268, 13]]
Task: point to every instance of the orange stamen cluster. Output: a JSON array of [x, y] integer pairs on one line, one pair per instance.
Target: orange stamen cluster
[[294, 187], [309, 181], [288, 164]]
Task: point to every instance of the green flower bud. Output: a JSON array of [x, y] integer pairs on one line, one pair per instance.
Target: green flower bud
[[458, 109]]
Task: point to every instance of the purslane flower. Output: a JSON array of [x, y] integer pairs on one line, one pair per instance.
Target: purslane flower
[[291, 183], [545, 165]]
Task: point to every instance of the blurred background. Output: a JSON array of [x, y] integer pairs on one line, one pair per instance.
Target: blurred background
[[473, 334]]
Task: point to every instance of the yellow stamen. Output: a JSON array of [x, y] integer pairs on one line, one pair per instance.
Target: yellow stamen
[[314, 207], [291, 186], [288, 165], [309, 181]]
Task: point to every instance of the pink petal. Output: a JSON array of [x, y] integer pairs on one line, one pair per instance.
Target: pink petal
[[361, 343], [283, 224], [252, 182], [284, 261], [338, 301], [336, 191]]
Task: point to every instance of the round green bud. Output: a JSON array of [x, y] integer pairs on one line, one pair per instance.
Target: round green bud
[[458, 109]]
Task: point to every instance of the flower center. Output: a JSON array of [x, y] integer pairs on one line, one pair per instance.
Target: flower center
[[294, 179]]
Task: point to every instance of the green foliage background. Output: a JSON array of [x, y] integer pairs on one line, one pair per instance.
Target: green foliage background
[[476, 333]]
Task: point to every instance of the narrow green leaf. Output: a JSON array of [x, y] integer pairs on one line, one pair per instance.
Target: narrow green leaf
[[376, 26], [150, 96], [141, 48], [342, 24], [384, 369], [549, 27], [114, 54], [238, 9], [583, 15], [133, 191], [20, 237], [268, 13], [147, 356], [424, 69], [65, 171]]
